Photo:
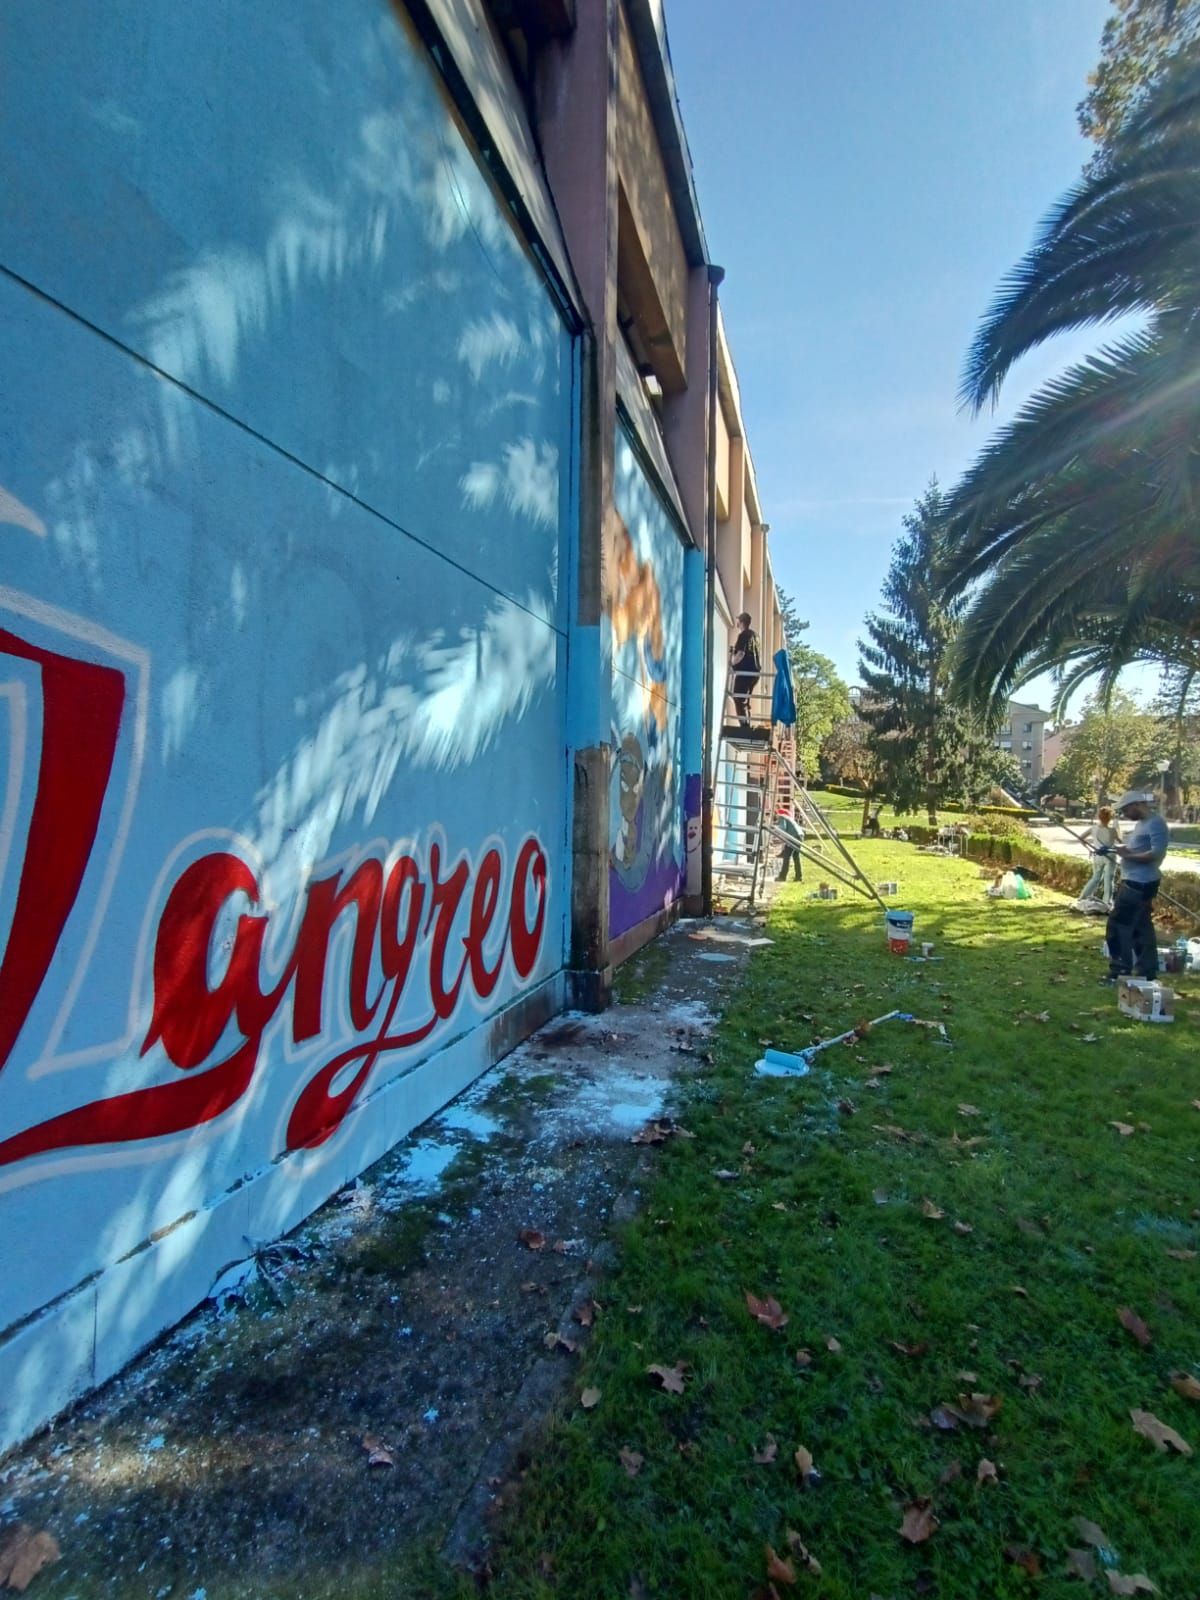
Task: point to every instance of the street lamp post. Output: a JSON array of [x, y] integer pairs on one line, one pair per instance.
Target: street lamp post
[[1163, 768]]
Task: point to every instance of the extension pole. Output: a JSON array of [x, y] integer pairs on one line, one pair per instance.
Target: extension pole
[[1162, 894]]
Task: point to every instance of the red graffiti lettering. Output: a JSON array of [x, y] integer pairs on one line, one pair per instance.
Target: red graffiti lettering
[[81, 719], [394, 917]]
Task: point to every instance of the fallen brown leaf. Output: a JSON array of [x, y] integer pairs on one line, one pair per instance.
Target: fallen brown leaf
[[585, 1314], [23, 1555], [1162, 1437], [1091, 1533], [779, 1570], [804, 1465], [933, 1212], [1133, 1324], [965, 1110], [553, 1340], [833, 1345], [919, 1521], [657, 1133], [765, 1456], [964, 1227], [378, 1454], [1136, 1583], [630, 1460], [945, 1418], [1123, 1128], [847, 1108], [804, 1358], [1032, 1381], [950, 1473], [801, 1552], [532, 1239], [977, 1410], [917, 1349], [1017, 1289], [671, 1378], [589, 1398], [1183, 1383], [726, 1174], [1182, 1255], [986, 1472], [1028, 1560], [769, 1312], [1082, 1564]]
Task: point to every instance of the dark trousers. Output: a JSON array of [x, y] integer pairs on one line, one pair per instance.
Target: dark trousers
[[1130, 933], [791, 857], [743, 688]]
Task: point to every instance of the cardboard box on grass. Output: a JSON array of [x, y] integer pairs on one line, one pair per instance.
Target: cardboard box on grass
[[1145, 1000]]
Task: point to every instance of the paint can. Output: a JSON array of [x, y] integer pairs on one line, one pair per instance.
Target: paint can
[[899, 925]]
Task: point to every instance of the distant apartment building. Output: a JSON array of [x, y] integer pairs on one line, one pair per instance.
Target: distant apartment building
[[1024, 733], [1055, 746]]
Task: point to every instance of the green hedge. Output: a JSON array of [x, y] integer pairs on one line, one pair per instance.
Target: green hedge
[[1067, 873], [1017, 812]]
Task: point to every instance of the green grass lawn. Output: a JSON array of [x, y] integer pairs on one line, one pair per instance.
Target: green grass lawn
[[937, 1221]]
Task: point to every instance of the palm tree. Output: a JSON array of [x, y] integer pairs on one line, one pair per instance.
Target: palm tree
[[1080, 521]]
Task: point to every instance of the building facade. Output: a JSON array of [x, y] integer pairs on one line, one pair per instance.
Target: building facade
[[1024, 734], [368, 435]]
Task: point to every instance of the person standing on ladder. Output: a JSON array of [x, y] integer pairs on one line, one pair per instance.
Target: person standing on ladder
[[745, 661]]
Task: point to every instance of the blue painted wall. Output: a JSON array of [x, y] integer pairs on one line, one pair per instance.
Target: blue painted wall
[[646, 822], [286, 424]]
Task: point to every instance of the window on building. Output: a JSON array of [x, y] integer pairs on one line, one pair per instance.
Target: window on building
[[1006, 730], [1028, 728], [1006, 744], [1027, 744]]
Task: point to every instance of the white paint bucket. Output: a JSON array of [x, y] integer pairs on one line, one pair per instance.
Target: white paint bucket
[[899, 925]]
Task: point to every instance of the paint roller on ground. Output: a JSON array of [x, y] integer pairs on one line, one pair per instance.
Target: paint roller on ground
[[788, 1064]]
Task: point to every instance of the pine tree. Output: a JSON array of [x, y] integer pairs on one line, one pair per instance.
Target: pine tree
[[928, 750]]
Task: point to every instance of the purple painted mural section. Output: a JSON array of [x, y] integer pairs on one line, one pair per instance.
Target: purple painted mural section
[[646, 839]]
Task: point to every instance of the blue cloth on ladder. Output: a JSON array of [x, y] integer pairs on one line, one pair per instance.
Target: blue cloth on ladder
[[783, 700]]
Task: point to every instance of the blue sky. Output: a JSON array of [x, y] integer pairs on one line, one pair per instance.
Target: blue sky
[[867, 172]]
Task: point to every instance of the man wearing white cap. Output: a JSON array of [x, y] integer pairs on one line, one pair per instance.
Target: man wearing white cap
[[1130, 928]]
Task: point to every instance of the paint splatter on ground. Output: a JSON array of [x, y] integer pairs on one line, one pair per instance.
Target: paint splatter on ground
[[406, 1312]]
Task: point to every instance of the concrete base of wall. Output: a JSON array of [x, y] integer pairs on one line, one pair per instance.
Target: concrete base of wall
[[89, 1335], [632, 940], [590, 990]]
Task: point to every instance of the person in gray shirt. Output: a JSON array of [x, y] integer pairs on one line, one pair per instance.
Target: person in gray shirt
[[1129, 932]]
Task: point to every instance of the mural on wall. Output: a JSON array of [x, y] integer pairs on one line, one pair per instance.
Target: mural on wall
[[646, 844], [282, 690]]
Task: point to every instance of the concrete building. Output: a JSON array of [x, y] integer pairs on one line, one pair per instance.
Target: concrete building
[[1024, 733], [1055, 745], [369, 432]]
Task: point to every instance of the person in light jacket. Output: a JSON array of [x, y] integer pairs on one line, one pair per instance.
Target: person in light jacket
[[1103, 835]]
